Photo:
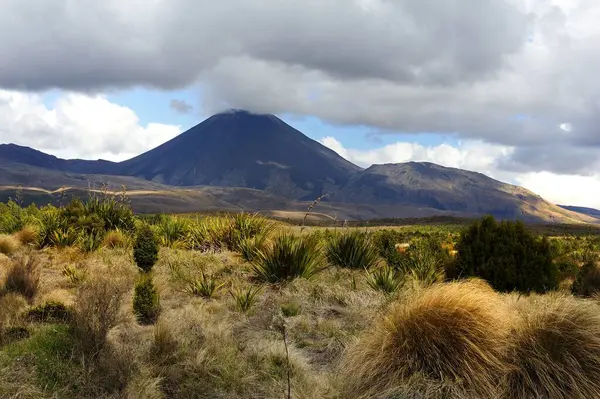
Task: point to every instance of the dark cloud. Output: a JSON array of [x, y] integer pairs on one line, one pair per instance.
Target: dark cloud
[[509, 72], [181, 106]]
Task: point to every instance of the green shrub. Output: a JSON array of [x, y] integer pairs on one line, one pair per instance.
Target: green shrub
[[352, 249], [91, 242], [246, 299], [113, 210], [204, 286], [171, 230], [146, 302], [587, 282], [250, 247], [145, 248], [507, 255], [11, 218], [287, 258], [50, 312], [385, 279], [50, 223], [423, 262]]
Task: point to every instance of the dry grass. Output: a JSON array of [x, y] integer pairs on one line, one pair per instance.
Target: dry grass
[[556, 349], [27, 236], [97, 310], [457, 340], [23, 277], [115, 239], [450, 337], [8, 245]]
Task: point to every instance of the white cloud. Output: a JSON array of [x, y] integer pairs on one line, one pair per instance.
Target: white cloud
[[484, 158], [78, 125]]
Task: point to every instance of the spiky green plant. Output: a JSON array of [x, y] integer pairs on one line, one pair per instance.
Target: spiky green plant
[[171, 230], [50, 224], [74, 274], [352, 249], [91, 242], [287, 258], [421, 264], [65, 237], [385, 279], [204, 286], [249, 248], [246, 299]]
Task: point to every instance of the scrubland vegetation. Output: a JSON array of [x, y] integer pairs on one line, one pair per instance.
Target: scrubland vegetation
[[97, 302]]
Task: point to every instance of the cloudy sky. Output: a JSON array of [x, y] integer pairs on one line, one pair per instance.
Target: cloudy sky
[[505, 87]]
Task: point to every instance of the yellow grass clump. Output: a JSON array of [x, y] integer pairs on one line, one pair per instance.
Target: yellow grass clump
[[444, 341], [8, 245], [556, 349], [27, 236], [114, 239]]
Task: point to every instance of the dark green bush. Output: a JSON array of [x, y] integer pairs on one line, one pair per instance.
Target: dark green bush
[[352, 249], [145, 248], [507, 255], [50, 312], [146, 303], [587, 282]]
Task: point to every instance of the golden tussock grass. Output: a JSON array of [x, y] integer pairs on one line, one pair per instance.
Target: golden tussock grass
[[451, 334], [555, 351], [8, 244], [115, 239], [28, 235]]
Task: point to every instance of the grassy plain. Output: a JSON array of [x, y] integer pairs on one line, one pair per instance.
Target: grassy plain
[[241, 320]]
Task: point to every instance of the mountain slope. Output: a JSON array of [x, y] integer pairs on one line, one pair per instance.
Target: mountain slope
[[595, 213], [422, 184], [241, 149], [12, 154]]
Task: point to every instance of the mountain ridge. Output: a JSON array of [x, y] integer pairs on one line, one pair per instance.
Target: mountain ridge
[[239, 149]]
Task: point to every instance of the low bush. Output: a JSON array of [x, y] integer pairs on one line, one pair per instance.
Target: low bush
[[287, 258], [249, 248], [23, 277], [146, 303], [171, 230], [145, 248], [587, 281], [385, 279], [423, 262], [449, 334], [50, 312], [204, 286], [555, 351], [507, 255], [352, 249], [245, 299]]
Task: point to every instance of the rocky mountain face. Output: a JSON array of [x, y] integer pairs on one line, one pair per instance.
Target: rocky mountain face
[[241, 149]]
